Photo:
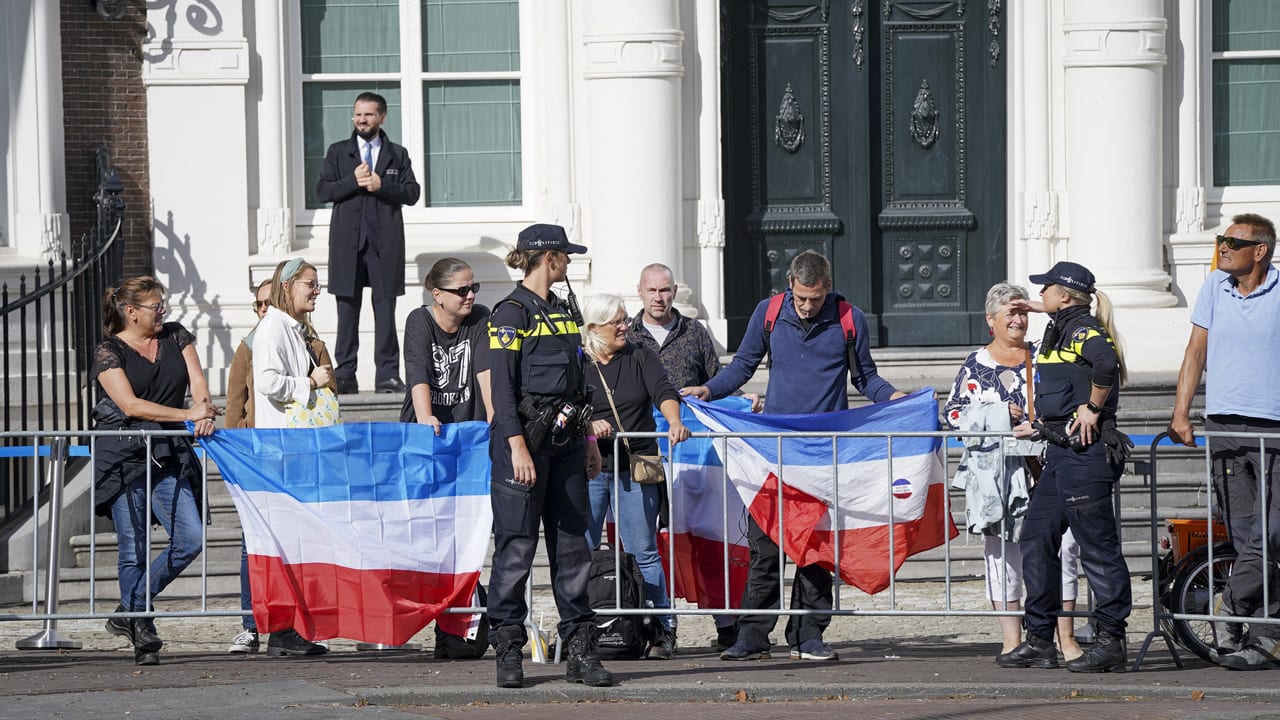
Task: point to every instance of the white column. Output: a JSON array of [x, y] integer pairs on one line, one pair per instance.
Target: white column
[[274, 218], [633, 73], [1032, 123], [553, 198], [196, 73], [1190, 247], [37, 185], [710, 198], [1115, 52]]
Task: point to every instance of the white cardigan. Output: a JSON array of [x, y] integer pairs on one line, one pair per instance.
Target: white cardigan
[[281, 368]]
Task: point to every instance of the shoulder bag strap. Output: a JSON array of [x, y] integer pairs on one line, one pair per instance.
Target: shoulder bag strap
[[609, 394], [1031, 388]]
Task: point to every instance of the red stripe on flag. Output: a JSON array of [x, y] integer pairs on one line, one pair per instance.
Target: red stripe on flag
[[699, 574], [323, 601], [864, 552]]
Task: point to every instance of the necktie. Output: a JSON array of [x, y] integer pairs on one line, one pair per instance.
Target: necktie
[[368, 155]]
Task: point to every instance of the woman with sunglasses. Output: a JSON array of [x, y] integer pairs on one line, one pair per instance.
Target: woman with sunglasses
[[446, 350], [289, 363], [144, 368]]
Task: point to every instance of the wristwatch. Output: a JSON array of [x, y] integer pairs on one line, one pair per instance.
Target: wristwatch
[[1093, 408]]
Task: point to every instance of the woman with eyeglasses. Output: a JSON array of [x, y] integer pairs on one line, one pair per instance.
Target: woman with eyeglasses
[[446, 350], [289, 363], [144, 368], [631, 382], [240, 414]]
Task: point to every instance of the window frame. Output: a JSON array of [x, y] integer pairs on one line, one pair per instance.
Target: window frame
[[412, 78], [1223, 194]]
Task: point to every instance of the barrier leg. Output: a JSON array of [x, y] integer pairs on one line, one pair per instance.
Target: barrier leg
[[50, 638], [1157, 612]]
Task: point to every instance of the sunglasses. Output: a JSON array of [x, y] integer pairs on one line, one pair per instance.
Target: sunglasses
[[158, 308], [259, 304], [1234, 243], [463, 291]]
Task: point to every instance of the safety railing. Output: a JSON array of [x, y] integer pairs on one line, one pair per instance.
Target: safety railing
[[1188, 585], [48, 450]]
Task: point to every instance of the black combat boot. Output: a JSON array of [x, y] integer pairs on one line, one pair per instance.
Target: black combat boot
[[1108, 654], [146, 643], [1033, 652], [584, 659], [508, 644]]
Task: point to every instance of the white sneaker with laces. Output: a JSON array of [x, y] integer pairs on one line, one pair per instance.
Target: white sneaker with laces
[[245, 642]]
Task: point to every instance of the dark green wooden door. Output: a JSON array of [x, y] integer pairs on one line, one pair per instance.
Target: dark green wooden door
[[873, 132]]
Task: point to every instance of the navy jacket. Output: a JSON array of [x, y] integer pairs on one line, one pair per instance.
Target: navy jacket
[[810, 367], [353, 205]]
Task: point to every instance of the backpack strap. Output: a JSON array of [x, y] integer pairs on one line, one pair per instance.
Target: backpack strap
[[845, 310], [771, 314]]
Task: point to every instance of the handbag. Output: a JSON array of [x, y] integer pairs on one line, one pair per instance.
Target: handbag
[[645, 469], [320, 410]]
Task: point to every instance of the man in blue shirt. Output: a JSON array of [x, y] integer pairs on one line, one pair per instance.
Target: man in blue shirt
[[1235, 335], [809, 367]]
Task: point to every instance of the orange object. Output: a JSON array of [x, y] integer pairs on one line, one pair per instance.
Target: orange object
[[1187, 535]]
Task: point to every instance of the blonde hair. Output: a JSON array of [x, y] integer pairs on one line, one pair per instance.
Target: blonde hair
[[282, 299], [599, 310], [1106, 317]]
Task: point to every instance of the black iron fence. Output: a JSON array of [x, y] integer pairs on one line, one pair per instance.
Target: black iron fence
[[49, 325]]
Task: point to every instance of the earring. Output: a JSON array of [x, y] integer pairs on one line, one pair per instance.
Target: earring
[[991, 331]]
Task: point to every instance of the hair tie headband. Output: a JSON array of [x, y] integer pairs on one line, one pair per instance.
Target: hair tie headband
[[291, 268]]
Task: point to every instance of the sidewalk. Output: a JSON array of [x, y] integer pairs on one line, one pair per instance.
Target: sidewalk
[[929, 660]]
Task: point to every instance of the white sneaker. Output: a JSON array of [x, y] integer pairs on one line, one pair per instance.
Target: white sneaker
[[245, 642]]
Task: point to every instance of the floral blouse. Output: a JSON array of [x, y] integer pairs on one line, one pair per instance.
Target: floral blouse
[[982, 379]]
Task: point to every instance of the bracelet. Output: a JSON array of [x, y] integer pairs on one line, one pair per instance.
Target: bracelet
[[311, 382], [591, 438]]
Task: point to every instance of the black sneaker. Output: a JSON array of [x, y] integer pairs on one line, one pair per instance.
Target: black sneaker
[[1033, 652], [664, 645], [289, 642], [120, 626], [725, 638]]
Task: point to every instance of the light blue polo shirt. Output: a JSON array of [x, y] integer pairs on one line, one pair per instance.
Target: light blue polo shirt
[[1242, 362]]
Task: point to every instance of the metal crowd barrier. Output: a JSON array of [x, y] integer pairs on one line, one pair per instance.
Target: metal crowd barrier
[[59, 447], [1199, 630]]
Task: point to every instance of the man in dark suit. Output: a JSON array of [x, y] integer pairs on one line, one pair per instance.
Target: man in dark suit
[[367, 178]]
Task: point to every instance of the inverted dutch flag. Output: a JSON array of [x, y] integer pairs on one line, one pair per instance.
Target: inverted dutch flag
[[365, 531], [709, 525], [875, 504]]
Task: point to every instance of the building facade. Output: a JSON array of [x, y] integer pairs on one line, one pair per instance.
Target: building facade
[[928, 147]]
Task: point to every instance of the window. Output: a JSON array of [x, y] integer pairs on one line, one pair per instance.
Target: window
[[450, 71], [1246, 92]]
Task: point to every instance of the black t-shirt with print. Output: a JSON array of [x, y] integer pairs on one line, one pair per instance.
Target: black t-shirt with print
[[448, 363]]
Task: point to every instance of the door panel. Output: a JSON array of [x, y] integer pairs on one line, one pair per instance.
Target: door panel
[[847, 129]]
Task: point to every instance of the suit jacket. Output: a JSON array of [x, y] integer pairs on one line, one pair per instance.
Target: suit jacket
[[376, 216]]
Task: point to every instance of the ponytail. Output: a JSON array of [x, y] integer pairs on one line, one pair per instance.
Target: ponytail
[[130, 292], [1106, 317]]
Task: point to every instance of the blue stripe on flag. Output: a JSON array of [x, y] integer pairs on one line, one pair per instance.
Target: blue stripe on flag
[[917, 412], [383, 462]]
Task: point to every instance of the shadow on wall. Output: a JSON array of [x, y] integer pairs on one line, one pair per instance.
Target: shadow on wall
[[202, 15], [188, 292], [487, 259]]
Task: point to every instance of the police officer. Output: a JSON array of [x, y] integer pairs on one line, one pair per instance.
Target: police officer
[[541, 414], [1081, 367]]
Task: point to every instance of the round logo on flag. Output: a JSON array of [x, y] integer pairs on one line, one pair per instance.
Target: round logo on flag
[[902, 488]]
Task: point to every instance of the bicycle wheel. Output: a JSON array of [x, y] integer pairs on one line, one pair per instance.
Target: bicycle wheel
[[1191, 594]]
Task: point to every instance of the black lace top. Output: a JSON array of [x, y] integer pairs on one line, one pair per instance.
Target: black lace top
[[164, 382]]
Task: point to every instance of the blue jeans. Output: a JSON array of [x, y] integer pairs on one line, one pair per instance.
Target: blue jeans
[[173, 503], [637, 521]]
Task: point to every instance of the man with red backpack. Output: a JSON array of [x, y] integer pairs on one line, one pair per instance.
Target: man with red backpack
[[817, 341]]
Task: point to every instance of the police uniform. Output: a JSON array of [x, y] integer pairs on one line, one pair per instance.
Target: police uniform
[[1076, 486], [536, 358]]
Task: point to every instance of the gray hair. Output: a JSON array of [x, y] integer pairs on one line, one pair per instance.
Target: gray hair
[[599, 310], [810, 268], [1003, 293]]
